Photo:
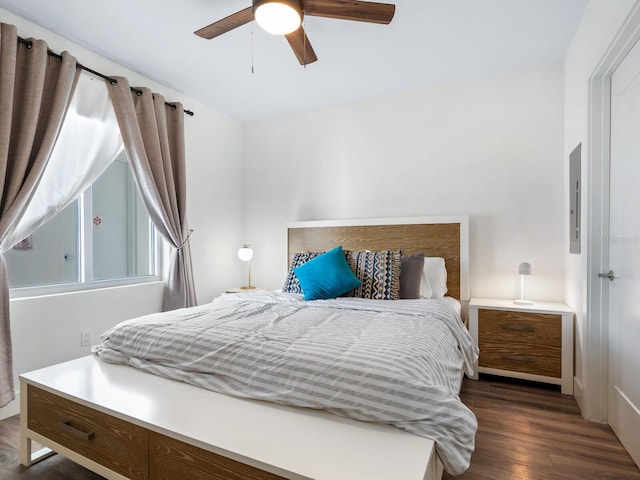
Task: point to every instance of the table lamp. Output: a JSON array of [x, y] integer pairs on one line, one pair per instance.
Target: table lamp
[[245, 253], [524, 269]]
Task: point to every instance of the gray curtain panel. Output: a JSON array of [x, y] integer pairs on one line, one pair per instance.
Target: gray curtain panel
[[153, 136], [35, 92]]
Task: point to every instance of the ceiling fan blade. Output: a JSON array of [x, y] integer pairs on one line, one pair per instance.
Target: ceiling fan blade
[[226, 24], [301, 47], [372, 12]]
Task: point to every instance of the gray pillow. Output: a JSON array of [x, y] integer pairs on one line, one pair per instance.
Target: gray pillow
[[411, 267]]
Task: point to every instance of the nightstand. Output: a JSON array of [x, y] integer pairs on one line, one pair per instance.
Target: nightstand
[[530, 342], [242, 290]]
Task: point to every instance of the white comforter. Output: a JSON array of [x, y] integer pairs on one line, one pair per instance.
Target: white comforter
[[396, 362]]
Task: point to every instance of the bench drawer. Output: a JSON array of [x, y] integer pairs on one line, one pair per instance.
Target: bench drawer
[[111, 442], [171, 459]]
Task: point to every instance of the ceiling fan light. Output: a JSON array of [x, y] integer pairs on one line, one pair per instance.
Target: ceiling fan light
[[279, 17]]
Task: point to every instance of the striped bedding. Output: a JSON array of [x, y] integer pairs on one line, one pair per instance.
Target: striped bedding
[[396, 362]]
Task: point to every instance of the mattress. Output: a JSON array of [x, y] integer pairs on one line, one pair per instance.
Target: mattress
[[394, 362]]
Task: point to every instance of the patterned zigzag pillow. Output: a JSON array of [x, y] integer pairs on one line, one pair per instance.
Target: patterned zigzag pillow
[[379, 272], [291, 283]]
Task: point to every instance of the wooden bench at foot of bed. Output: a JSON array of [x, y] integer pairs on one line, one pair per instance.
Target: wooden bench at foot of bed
[[123, 423]]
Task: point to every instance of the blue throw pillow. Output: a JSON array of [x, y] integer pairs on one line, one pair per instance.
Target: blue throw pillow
[[326, 276]]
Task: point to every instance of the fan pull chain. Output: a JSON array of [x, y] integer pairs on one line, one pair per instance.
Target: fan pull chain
[[252, 47]]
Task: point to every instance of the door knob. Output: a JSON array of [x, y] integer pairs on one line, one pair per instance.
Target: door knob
[[608, 275]]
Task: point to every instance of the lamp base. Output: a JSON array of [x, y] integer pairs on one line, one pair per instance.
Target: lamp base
[[523, 302], [248, 287]]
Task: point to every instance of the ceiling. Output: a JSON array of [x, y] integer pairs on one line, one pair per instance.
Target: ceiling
[[428, 42]]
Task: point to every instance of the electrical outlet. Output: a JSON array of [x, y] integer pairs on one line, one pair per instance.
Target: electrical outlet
[[85, 338]]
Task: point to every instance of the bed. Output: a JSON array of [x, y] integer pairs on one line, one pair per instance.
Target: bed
[[215, 422]]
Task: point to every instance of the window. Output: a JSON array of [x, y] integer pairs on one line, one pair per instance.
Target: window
[[104, 237]]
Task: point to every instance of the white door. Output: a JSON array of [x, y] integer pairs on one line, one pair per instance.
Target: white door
[[624, 255]]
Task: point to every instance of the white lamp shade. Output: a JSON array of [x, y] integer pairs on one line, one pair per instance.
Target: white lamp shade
[[278, 17], [245, 253], [524, 268]]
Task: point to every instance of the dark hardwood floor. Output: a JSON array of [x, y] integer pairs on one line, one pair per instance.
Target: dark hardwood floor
[[530, 431], [526, 432]]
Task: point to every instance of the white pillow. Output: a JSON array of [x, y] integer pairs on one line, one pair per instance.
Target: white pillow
[[425, 287], [435, 276]]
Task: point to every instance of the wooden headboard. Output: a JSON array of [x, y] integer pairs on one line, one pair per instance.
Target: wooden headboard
[[446, 237]]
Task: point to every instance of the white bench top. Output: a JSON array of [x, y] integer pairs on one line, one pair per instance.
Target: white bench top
[[299, 444]]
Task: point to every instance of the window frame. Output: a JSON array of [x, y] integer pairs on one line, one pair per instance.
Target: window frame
[[85, 252]]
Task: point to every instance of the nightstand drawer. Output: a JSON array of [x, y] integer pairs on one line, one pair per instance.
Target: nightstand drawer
[[111, 442], [502, 326], [524, 358]]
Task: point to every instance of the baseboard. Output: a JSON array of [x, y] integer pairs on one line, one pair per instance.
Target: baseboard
[[13, 408], [627, 425], [578, 394]]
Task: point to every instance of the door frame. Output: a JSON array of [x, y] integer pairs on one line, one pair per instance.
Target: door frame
[[598, 157]]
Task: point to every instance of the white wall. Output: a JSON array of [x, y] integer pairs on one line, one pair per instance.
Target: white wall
[[491, 147], [601, 22], [495, 148], [47, 330]]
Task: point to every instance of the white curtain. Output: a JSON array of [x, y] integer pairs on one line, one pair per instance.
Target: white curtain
[[89, 141]]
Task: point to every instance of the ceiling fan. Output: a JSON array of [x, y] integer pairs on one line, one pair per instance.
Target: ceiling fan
[[284, 17]]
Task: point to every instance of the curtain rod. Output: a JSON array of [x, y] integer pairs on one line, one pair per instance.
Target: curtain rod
[[113, 81]]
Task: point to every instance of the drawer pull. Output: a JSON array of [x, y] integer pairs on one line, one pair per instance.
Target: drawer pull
[[77, 432], [519, 358], [520, 328]]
